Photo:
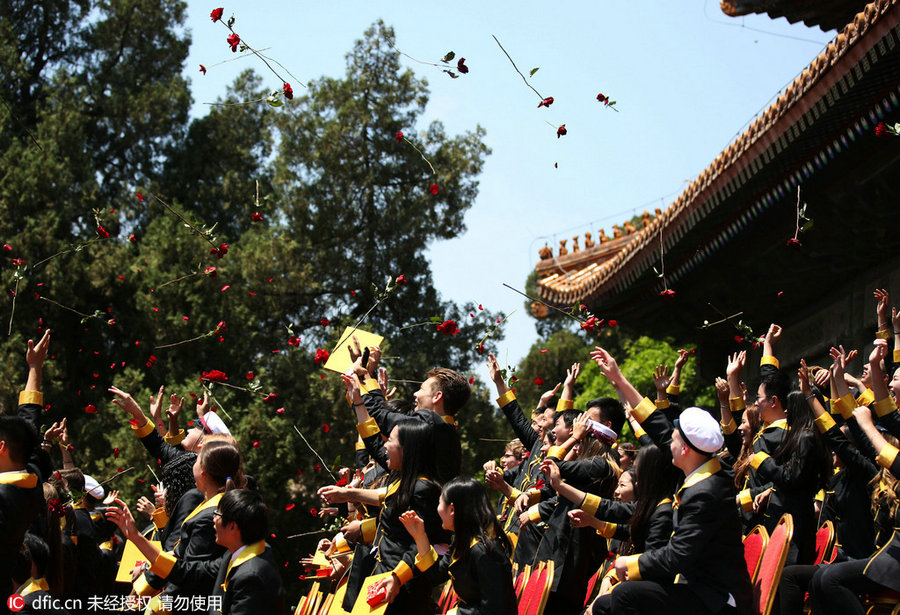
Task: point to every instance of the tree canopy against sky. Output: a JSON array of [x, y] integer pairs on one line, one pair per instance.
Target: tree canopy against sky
[[243, 241]]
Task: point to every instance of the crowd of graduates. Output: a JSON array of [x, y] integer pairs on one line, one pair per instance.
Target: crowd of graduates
[[656, 527]]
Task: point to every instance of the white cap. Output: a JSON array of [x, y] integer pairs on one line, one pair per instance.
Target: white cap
[[92, 487], [212, 423], [700, 431]]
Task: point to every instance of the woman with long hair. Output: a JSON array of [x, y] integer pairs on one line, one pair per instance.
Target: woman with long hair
[[218, 468], [479, 558], [409, 456]]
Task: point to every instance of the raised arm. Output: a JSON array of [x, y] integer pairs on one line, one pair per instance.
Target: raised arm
[[506, 399]]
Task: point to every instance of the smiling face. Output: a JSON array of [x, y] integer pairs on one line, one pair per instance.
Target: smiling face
[[562, 431], [394, 451], [895, 384], [446, 512], [509, 460], [625, 489], [546, 421], [426, 396]]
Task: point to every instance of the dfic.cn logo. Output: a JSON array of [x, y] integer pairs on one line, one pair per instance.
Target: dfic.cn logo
[[15, 603]]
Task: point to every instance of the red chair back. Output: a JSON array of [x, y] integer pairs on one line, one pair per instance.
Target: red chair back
[[590, 586], [521, 580], [826, 538], [537, 589], [769, 573], [754, 546]]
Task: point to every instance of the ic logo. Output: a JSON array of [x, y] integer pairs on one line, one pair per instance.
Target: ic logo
[[15, 603]]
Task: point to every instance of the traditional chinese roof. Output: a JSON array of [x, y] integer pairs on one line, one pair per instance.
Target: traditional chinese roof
[[827, 14], [724, 236]]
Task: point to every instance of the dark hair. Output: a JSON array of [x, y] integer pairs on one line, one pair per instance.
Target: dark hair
[[611, 411], [52, 535], [74, 479], [742, 465], [401, 406], [222, 463], [568, 417], [178, 478], [655, 478], [246, 508], [802, 443], [775, 382], [416, 438], [454, 386], [473, 517], [20, 437]]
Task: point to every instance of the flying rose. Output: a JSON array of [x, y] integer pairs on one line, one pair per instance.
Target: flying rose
[[216, 14], [561, 131], [234, 40], [448, 327], [288, 92], [546, 102]]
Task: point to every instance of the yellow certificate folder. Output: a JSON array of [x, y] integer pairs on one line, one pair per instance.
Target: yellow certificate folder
[[339, 361], [132, 557]]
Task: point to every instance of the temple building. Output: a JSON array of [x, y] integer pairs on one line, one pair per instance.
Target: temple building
[[724, 245]]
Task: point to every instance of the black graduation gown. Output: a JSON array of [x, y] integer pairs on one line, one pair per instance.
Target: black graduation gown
[[706, 548], [448, 446], [847, 501], [394, 547], [530, 536], [577, 553], [197, 542], [482, 580]]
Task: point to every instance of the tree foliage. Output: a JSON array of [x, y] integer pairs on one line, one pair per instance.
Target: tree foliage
[[95, 128]]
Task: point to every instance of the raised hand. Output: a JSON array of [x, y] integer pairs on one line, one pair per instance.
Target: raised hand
[[803, 376], [413, 523], [156, 402], [36, 354], [736, 363], [722, 391], [607, 365], [551, 471], [882, 301], [122, 518], [126, 402], [175, 405], [661, 378], [683, 356], [547, 396], [773, 334]]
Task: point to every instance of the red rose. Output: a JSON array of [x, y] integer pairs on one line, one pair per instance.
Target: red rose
[[591, 324], [139, 196], [321, 356], [325, 322], [342, 482], [613, 323], [603, 99], [539, 381], [214, 376], [102, 232], [794, 243], [401, 280], [288, 92], [220, 326], [399, 137], [561, 131], [325, 427], [221, 251], [211, 272], [90, 409], [216, 14], [293, 341], [7, 248], [433, 188], [270, 397], [546, 102], [461, 66], [202, 69], [250, 375], [132, 238], [256, 444], [668, 293], [448, 327], [234, 40], [880, 129]]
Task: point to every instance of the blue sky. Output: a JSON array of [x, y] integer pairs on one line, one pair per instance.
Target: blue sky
[[687, 79]]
